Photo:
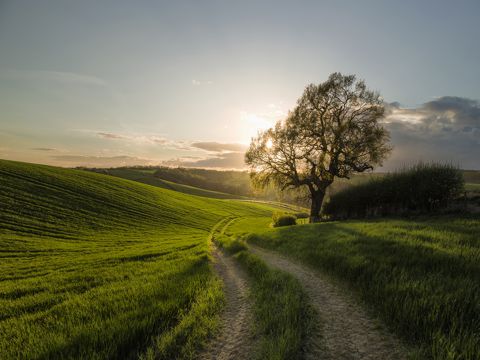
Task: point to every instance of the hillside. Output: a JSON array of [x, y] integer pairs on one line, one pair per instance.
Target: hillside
[[147, 176], [95, 266], [236, 184], [203, 182]]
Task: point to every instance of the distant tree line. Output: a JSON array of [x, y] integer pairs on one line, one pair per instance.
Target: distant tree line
[[422, 188], [231, 182]]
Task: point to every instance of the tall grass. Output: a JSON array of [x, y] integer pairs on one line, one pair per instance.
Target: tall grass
[[419, 189], [422, 277]]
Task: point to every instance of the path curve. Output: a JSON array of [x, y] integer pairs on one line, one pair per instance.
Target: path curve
[[345, 330], [234, 340]]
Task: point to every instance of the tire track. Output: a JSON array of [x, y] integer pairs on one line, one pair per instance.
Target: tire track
[[345, 330], [235, 339]]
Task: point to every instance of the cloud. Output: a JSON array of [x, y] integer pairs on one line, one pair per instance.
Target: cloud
[[198, 82], [211, 146], [106, 135], [57, 76], [225, 161], [444, 129], [219, 147], [226, 156], [100, 161], [145, 139], [43, 149]]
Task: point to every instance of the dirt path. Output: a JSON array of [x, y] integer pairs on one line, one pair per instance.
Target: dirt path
[[345, 330], [234, 340]]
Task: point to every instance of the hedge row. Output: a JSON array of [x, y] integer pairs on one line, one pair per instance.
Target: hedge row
[[419, 189]]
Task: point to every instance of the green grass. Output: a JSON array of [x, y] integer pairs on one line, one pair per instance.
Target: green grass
[[421, 276], [148, 177], [283, 315], [93, 266], [474, 188]]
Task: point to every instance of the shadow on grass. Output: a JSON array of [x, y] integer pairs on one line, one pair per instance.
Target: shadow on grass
[[426, 289]]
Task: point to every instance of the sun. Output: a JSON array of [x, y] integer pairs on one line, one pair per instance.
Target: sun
[[253, 123]]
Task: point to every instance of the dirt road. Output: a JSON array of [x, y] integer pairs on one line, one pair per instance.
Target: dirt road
[[345, 329], [234, 340]]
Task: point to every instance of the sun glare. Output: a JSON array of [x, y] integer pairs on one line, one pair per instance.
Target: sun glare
[[254, 123]]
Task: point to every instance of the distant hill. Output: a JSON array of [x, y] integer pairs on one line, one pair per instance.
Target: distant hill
[[203, 182], [237, 184], [471, 176], [148, 176]]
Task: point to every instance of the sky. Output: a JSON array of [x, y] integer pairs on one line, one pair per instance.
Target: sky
[[188, 83]]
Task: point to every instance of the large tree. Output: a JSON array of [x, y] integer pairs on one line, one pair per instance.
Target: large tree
[[333, 131]]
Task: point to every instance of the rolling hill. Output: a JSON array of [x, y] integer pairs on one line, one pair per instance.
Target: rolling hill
[[95, 266], [147, 176]]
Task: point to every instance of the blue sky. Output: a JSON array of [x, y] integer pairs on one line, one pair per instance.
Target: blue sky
[[189, 82]]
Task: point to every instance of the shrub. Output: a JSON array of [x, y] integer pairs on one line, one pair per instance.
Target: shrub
[[302, 215], [281, 219], [419, 189]]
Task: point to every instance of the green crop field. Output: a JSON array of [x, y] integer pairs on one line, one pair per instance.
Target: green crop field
[[93, 266], [147, 177], [421, 276]]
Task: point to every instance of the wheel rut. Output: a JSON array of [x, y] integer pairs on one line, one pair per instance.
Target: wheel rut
[[345, 331], [235, 339]]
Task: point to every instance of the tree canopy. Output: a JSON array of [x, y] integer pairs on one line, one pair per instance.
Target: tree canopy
[[333, 131]]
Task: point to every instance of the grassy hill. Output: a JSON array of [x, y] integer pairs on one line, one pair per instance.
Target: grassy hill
[[147, 176], [204, 182], [93, 266]]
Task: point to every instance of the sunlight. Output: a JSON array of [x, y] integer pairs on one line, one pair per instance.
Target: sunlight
[[253, 123]]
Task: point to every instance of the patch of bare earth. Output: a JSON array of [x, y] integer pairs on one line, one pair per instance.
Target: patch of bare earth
[[345, 329], [234, 340]]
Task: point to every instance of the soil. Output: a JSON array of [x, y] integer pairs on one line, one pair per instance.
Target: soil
[[234, 340], [345, 330]]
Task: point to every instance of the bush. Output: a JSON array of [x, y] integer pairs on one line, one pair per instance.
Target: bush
[[281, 219], [302, 215], [419, 189]]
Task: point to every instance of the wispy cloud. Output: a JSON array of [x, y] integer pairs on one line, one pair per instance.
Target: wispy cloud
[[57, 76], [145, 139], [107, 135], [100, 161], [218, 156], [198, 82], [219, 147], [43, 149], [225, 161]]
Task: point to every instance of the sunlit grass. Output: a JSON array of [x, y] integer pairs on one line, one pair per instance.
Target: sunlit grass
[[422, 277], [98, 267]]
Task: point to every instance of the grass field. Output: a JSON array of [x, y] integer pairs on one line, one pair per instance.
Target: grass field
[[94, 266], [421, 276], [98, 267], [474, 188], [147, 177]]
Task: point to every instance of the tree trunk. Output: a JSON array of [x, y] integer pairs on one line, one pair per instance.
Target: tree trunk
[[317, 201]]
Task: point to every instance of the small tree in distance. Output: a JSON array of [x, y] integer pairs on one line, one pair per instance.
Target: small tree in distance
[[333, 131]]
